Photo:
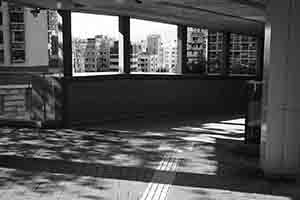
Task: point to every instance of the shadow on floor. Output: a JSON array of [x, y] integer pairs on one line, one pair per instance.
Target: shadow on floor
[[211, 154]]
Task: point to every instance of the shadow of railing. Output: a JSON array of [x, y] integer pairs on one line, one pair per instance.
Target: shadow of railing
[[96, 152]]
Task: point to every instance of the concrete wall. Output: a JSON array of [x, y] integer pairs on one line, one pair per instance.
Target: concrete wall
[[98, 100]]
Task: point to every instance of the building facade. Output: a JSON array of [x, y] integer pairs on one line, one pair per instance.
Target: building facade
[[97, 54], [196, 44], [215, 52], [23, 36], [169, 56], [143, 61], [242, 54], [153, 44]]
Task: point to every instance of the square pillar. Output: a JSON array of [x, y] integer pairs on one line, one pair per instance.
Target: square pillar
[[124, 44], [67, 61], [182, 49], [280, 136]]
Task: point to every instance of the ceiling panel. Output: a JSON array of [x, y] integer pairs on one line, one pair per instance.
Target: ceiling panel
[[243, 16]]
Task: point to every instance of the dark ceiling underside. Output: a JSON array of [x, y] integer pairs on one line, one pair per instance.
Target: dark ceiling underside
[[243, 16]]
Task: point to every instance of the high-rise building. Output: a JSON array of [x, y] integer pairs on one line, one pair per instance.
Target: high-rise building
[[155, 65], [114, 57], [242, 54], [55, 38], [143, 61], [215, 52], [196, 44], [97, 54], [170, 56], [153, 44], [136, 49], [23, 36], [78, 50]]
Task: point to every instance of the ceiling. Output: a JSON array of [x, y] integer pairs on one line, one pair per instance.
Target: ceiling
[[243, 16]]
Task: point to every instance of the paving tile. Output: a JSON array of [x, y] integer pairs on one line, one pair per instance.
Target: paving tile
[[104, 164]]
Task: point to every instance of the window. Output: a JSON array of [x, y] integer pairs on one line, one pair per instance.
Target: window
[[1, 104], [1, 37], [1, 56], [215, 52], [243, 58], [95, 43], [18, 56], [18, 36], [153, 46], [204, 51], [196, 50], [1, 17], [16, 17]]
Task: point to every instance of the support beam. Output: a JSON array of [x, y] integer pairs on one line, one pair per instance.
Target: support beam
[[251, 3], [182, 49], [124, 44], [67, 60]]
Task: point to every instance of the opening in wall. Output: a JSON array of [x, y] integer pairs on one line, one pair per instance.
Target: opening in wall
[[242, 55], [154, 47], [204, 51], [95, 44]]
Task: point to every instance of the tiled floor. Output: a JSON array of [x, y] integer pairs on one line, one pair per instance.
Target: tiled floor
[[197, 158]]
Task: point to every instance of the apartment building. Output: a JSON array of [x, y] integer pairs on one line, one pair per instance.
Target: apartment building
[[143, 61], [78, 50], [114, 57], [196, 44], [23, 36], [215, 50], [170, 56], [242, 54], [153, 44], [97, 54]]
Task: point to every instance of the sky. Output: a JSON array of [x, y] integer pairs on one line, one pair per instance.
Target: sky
[[88, 25]]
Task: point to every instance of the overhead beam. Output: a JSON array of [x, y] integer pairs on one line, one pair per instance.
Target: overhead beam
[[210, 21], [167, 12], [250, 3], [190, 7]]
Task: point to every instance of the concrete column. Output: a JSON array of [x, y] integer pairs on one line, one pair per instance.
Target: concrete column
[[182, 51], [280, 138], [124, 44], [68, 72]]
